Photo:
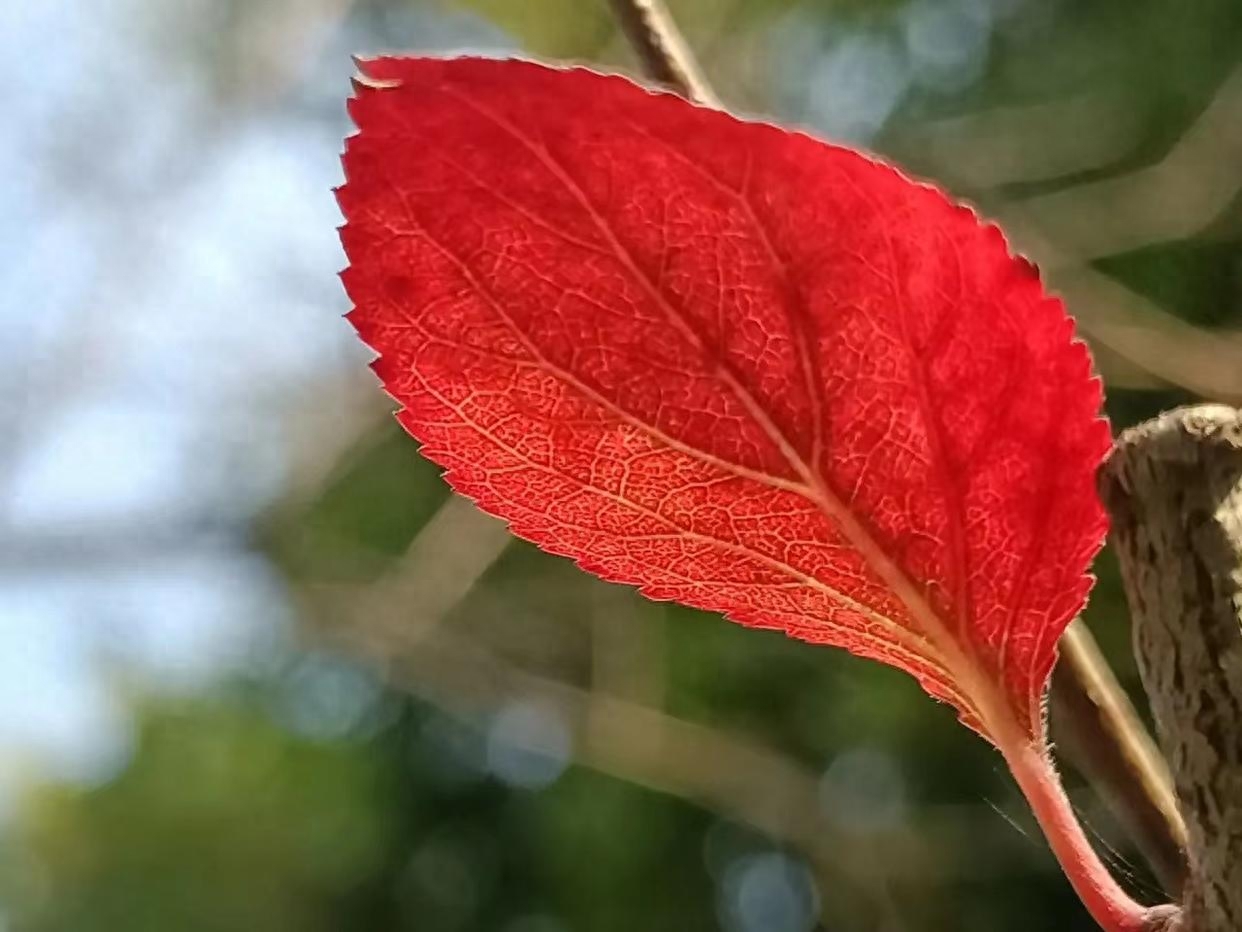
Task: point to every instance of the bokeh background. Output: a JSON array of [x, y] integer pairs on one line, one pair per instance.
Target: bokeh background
[[260, 671]]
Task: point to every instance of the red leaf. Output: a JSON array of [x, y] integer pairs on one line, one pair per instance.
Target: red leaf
[[733, 365]]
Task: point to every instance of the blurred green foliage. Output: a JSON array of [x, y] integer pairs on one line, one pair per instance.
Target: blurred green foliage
[[222, 820]]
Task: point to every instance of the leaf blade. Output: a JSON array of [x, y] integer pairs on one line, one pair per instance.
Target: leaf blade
[[733, 365]]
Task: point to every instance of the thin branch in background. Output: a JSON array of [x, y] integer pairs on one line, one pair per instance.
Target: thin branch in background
[[669, 60], [442, 564], [733, 776], [1175, 198], [1136, 329], [1134, 782], [1201, 360], [139, 544], [662, 49], [1179, 196], [627, 648], [729, 775], [981, 151]]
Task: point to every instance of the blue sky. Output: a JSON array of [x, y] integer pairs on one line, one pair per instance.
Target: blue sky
[[169, 308], [163, 308]]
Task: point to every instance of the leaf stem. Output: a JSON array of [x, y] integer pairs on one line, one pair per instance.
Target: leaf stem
[[1109, 905]]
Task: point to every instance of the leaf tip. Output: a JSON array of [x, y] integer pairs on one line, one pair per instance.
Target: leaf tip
[[363, 81], [367, 79]]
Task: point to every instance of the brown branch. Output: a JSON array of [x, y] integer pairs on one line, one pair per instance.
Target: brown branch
[[662, 49], [1174, 488]]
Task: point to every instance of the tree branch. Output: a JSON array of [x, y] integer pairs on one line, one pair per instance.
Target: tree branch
[[1174, 488]]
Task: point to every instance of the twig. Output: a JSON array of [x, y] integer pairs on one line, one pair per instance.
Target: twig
[[667, 59], [627, 653], [662, 49], [450, 554], [1112, 748]]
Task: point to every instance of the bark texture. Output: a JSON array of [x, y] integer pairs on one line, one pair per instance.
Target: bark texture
[[1173, 487]]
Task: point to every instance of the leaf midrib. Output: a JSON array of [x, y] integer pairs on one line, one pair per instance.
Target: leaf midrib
[[962, 666]]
